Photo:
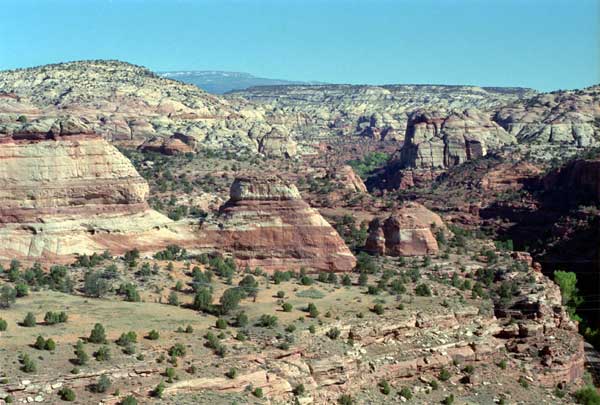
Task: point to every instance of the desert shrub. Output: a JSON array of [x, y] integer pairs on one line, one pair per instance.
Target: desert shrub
[[27, 364], [267, 321], [258, 392], [345, 399], [29, 320], [221, 323], [384, 387], [241, 320], [52, 318], [363, 279], [102, 354], [66, 394], [406, 393], [3, 325], [80, 354], [158, 391], [333, 333], [306, 280], [299, 390], [202, 299], [177, 350], [378, 309], [232, 373], [50, 344], [173, 299], [98, 334], [230, 300], [22, 290], [95, 285], [449, 400], [346, 280], [153, 335], [126, 338], [287, 307], [40, 343], [7, 296], [587, 395], [129, 400], [423, 290], [171, 252], [312, 310], [444, 375], [102, 384]]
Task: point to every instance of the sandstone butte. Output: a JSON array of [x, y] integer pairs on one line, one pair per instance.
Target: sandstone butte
[[68, 194], [409, 231], [266, 223]]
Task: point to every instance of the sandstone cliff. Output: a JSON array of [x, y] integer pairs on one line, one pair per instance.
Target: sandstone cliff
[[72, 194]]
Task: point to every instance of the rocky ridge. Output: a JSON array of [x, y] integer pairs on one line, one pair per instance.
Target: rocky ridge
[[125, 103]]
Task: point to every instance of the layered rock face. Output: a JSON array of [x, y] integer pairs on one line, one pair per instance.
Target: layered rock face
[[437, 141], [563, 117], [266, 223], [407, 232], [72, 194]]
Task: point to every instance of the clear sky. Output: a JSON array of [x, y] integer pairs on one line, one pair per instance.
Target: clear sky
[[544, 44]]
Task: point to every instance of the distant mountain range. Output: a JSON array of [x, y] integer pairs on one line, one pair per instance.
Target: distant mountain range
[[219, 82]]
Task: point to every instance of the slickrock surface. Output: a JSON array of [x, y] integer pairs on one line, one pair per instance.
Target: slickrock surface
[[266, 223], [407, 232], [72, 194]]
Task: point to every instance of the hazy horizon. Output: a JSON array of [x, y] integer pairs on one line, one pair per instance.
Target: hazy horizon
[[541, 44]]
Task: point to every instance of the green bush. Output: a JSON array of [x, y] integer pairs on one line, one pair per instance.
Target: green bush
[[102, 385], [345, 399], [3, 325], [333, 333], [50, 344], [378, 309], [444, 375], [423, 290], [385, 388], [287, 307], [221, 323], [66, 394], [587, 395], [177, 350], [267, 321], [258, 392], [299, 390], [406, 393], [102, 354], [29, 320], [232, 373], [98, 334], [127, 338], [153, 335], [129, 400], [158, 391], [449, 400], [27, 364]]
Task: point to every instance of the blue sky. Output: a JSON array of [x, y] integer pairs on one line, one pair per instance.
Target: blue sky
[[544, 44]]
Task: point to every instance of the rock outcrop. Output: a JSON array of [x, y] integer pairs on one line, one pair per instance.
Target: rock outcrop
[[409, 231], [562, 117], [347, 179], [436, 141], [65, 194], [266, 223], [124, 103], [277, 143]]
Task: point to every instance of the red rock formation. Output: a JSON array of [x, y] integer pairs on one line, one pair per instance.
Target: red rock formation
[[266, 223], [407, 232], [578, 177], [347, 178]]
